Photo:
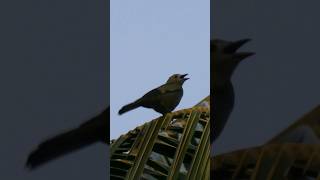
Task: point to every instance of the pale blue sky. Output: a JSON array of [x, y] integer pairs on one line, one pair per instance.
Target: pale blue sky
[[151, 40]]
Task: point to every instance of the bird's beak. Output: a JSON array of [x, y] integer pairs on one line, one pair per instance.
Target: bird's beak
[[243, 55], [183, 76], [234, 46]]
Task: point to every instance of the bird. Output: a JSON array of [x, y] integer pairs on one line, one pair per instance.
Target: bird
[[225, 60], [162, 99], [94, 130]]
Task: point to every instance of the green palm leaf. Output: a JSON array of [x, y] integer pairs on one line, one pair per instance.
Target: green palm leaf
[[172, 147], [271, 161], [283, 157]]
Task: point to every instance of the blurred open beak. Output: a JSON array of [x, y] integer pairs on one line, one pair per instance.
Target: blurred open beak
[[234, 46], [183, 76], [243, 55]]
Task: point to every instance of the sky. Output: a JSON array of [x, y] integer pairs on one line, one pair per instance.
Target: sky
[[281, 82], [150, 41], [54, 76]]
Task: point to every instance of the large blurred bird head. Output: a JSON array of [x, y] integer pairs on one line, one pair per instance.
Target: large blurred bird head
[[225, 59]]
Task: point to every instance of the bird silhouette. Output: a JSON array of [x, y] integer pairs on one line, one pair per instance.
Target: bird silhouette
[[92, 131], [163, 99], [225, 60]]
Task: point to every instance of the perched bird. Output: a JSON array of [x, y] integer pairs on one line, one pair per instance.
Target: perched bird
[[225, 60], [163, 99], [92, 131]]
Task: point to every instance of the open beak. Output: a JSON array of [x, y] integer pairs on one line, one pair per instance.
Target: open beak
[[183, 76], [234, 46], [243, 55]]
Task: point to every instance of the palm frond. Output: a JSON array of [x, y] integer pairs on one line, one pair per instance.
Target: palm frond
[[175, 146], [271, 161]]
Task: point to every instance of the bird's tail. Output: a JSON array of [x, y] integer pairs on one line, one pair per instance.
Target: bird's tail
[[129, 107], [87, 133], [58, 146]]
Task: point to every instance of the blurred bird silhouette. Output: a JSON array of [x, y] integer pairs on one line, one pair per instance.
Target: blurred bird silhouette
[[163, 99], [225, 60], [92, 131]]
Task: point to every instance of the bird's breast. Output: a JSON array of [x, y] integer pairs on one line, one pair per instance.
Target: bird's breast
[[171, 100]]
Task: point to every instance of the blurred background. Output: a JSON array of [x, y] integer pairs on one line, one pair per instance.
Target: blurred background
[[54, 76], [280, 83]]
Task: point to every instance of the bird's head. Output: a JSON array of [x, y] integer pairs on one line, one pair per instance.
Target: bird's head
[[225, 59], [177, 78]]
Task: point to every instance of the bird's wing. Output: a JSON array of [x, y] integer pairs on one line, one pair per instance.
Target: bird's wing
[[161, 92], [94, 130]]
